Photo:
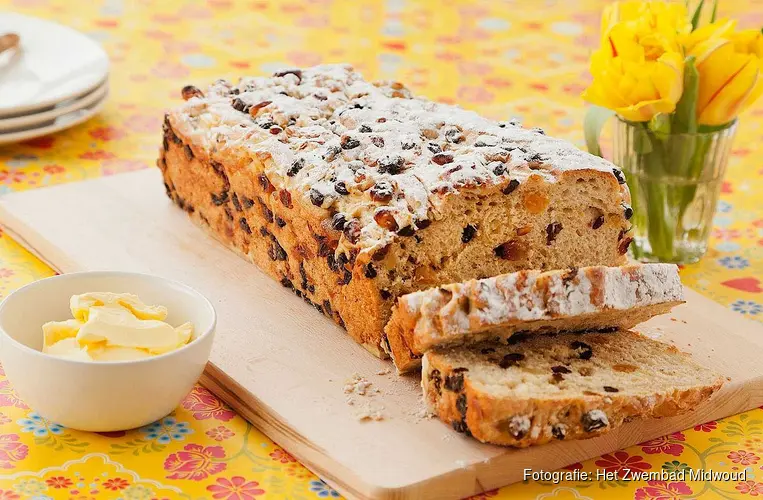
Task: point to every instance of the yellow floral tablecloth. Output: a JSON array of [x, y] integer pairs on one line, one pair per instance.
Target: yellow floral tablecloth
[[524, 58]]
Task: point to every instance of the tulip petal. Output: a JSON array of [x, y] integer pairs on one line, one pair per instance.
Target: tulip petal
[[668, 76], [729, 98], [707, 48], [624, 44], [645, 110], [603, 96], [749, 42], [593, 95], [609, 17], [721, 29], [756, 91], [637, 88], [607, 73], [718, 70]]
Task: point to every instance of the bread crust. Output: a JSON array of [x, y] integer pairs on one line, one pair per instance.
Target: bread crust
[[578, 299], [470, 408], [284, 171], [272, 237]]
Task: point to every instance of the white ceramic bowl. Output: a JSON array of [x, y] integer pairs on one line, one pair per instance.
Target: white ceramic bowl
[[101, 396]]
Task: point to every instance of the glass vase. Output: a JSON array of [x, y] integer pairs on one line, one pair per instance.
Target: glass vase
[[674, 180]]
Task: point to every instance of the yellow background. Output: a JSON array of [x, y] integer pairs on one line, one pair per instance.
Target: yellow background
[[512, 58]]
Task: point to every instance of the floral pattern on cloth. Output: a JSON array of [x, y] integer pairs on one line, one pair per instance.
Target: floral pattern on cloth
[[513, 59]]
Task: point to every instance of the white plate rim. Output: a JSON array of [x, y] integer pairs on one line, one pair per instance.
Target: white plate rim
[[31, 120], [74, 94], [50, 129]]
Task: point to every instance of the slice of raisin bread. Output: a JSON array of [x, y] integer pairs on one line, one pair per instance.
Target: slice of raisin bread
[[537, 388], [590, 298]]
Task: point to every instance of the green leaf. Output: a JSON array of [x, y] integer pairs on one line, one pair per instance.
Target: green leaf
[[704, 129], [642, 142], [685, 115], [697, 13], [594, 121], [715, 12], [660, 124]]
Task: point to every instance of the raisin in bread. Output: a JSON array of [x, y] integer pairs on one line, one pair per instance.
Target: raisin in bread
[[589, 298], [353, 193], [537, 388]]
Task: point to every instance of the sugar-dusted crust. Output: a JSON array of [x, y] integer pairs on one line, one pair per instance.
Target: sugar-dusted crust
[[495, 392], [352, 193], [591, 298]]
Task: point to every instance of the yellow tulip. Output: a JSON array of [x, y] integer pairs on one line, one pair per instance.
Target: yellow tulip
[[638, 70], [652, 16], [723, 28], [729, 66], [636, 91], [751, 42]]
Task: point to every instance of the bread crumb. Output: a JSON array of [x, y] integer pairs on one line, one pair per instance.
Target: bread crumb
[[383, 372], [424, 413], [357, 385], [370, 412], [365, 410], [461, 463], [421, 414]]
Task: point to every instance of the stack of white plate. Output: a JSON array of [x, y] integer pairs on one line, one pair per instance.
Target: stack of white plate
[[53, 79]]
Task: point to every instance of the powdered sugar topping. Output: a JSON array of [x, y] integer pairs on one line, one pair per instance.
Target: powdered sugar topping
[[475, 305], [370, 151]]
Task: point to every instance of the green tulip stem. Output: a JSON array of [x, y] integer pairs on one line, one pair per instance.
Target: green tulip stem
[[662, 227], [695, 168]]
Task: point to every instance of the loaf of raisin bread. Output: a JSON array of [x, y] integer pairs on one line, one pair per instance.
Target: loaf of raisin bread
[[353, 193], [537, 388], [588, 298]]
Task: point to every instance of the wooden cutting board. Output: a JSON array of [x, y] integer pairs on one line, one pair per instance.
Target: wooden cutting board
[[283, 365]]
